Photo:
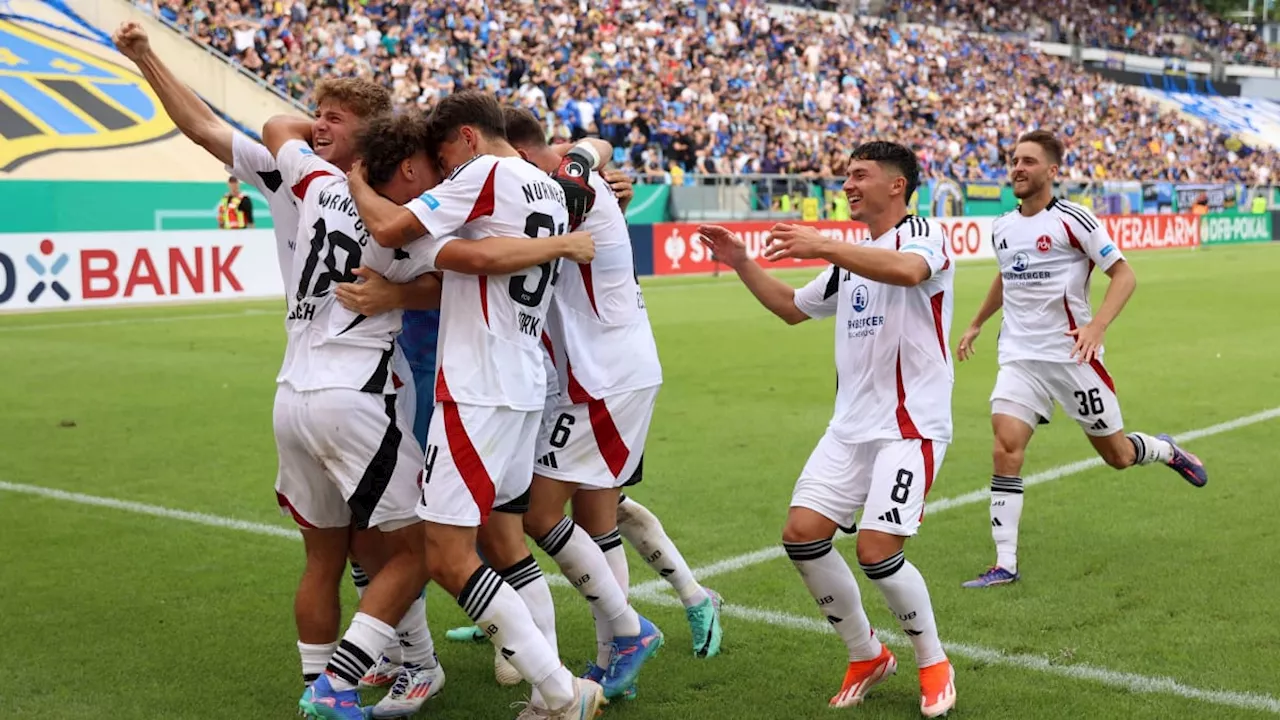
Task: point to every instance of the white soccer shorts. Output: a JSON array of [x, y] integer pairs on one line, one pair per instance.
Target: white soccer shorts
[[599, 443], [406, 390], [477, 458], [1085, 391], [886, 479], [345, 456]]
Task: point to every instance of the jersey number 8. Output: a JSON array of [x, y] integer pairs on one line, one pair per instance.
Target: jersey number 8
[[331, 241]]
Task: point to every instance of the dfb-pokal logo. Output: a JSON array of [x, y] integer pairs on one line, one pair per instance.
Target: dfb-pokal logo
[[51, 271], [1021, 262], [1044, 243], [861, 298], [675, 248]]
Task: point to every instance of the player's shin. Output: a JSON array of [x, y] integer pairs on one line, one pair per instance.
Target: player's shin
[[360, 647], [644, 531], [610, 544], [829, 579], [587, 569], [415, 647], [526, 578], [497, 608], [905, 592], [1006, 512]]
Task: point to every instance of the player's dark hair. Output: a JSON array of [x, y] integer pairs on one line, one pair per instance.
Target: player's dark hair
[[388, 140], [898, 157], [523, 127], [480, 110], [1048, 142]]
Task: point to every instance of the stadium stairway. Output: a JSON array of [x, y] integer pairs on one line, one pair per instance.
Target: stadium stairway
[[72, 108]]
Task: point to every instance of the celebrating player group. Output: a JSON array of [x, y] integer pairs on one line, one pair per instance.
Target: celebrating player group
[[469, 362]]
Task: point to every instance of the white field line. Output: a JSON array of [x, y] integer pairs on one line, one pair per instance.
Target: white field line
[[1123, 680], [647, 592], [1128, 681], [141, 320], [647, 589]]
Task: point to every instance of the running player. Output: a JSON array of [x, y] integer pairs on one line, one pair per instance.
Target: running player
[[1050, 345], [891, 297], [592, 444], [254, 164], [490, 386]]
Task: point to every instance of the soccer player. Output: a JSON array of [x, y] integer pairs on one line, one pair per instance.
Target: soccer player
[[490, 386], [1050, 344], [891, 297], [592, 443], [252, 163]]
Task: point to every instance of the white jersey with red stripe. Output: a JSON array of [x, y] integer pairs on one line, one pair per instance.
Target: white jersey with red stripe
[[893, 371], [253, 163], [330, 346], [1046, 262], [490, 350], [603, 340]]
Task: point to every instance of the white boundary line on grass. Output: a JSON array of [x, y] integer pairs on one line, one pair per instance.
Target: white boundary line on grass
[[649, 592], [646, 589], [250, 312]]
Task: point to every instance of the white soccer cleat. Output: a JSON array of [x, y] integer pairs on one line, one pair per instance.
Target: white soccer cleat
[[506, 673], [587, 704], [382, 674], [411, 690]]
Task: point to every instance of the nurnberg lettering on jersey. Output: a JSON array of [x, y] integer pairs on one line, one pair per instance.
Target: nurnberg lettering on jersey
[[1020, 272], [543, 191], [342, 202]]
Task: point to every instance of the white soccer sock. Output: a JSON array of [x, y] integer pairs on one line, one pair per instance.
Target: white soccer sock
[[907, 596], [496, 606], [1006, 511], [1150, 449], [610, 544], [588, 570], [644, 531], [526, 578], [314, 659], [360, 579], [358, 651], [415, 646], [831, 583]]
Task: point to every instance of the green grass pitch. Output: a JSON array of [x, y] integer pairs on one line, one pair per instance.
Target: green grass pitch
[[1142, 597]]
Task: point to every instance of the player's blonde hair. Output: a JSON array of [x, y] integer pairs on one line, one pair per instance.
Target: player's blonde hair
[[365, 98]]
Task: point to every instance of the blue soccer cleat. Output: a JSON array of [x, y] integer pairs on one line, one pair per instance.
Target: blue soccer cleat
[[1186, 464], [629, 655], [995, 575], [321, 702], [595, 674]]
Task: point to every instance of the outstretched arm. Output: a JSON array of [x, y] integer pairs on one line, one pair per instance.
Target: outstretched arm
[[777, 296], [192, 116]]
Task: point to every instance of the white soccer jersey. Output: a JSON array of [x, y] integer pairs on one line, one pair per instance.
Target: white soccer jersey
[[602, 335], [330, 346], [893, 372], [490, 350], [1046, 262], [254, 164]]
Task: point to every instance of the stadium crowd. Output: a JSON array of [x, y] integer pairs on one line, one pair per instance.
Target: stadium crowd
[[1171, 28], [726, 88]]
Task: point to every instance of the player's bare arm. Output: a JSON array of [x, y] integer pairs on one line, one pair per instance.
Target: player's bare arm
[[879, 264], [280, 129], [993, 302], [505, 255], [621, 185], [390, 225], [192, 116], [374, 294], [777, 296], [1089, 337]]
